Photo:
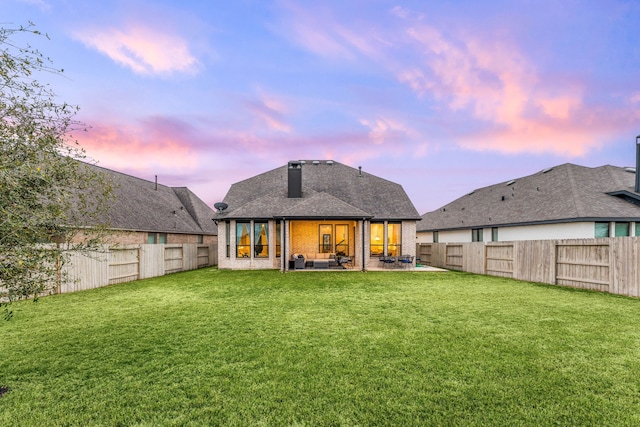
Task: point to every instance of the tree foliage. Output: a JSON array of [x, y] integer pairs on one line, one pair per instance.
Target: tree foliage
[[50, 200]]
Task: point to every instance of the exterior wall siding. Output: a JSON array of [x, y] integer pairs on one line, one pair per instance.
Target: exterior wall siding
[[570, 230], [140, 238]]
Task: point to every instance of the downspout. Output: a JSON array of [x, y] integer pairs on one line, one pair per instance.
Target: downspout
[[363, 251]]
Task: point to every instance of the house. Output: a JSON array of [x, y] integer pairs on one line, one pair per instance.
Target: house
[[147, 212], [314, 211], [562, 202]]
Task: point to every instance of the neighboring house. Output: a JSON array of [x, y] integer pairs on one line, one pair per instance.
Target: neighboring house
[[314, 210], [562, 202], [146, 212]]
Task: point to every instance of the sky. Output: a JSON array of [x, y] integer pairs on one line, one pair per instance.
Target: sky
[[441, 97]]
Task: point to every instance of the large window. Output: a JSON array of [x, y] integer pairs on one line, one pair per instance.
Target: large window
[[476, 235], [377, 239], [326, 238], [622, 229], [243, 239], [394, 239], [602, 229], [261, 239], [342, 239], [389, 243]]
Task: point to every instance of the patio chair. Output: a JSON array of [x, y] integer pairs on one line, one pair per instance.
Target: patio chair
[[406, 261], [382, 258], [389, 262]]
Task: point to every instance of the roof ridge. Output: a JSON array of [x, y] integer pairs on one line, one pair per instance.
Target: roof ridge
[[614, 177], [184, 196]]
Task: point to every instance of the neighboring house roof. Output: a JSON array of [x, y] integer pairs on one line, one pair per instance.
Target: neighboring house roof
[[141, 205], [329, 190], [565, 193]]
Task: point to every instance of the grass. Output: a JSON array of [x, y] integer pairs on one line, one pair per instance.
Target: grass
[[212, 347]]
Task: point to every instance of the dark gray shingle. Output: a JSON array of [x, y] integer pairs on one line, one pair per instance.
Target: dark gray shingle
[[328, 190], [563, 193], [139, 206]]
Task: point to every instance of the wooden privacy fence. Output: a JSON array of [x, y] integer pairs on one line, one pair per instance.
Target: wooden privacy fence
[[609, 264], [118, 264]]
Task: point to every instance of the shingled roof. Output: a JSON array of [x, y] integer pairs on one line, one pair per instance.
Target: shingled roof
[[141, 205], [565, 193], [329, 190]]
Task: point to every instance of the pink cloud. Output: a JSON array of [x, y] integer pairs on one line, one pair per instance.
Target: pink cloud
[[317, 30], [485, 76], [271, 111], [385, 129], [151, 142], [495, 82], [143, 49]]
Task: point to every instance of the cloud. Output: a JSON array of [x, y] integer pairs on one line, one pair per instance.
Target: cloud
[[484, 77], [514, 108], [318, 31], [384, 129], [145, 144], [143, 49], [271, 111]]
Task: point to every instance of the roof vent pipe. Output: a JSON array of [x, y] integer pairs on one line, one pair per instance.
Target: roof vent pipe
[[359, 170], [637, 188], [157, 183]]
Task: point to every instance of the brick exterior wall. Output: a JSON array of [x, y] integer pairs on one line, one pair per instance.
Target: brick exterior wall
[[141, 237]]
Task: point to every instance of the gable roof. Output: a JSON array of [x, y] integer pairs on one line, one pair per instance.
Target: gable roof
[[329, 190], [564, 193], [140, 205]]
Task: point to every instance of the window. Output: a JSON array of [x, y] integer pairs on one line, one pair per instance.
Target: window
[[389, 243], [494, 234], [278, 238], [622, 229], [602, 230], [637, 228], [377, 239], [200, 239], [435, 237], [261, 239], [243, 239], [227, 232], [394, 239], [151, 238], [326, 238], [476, 235], [342, 240], [162, 238]]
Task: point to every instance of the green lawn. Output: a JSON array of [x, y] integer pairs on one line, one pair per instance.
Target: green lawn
[[212, 347]]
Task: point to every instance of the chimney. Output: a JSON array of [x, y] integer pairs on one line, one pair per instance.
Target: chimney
[[637, 187], [295, 180]]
